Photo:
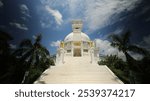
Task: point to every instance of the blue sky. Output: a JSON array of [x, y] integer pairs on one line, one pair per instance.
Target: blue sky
[[26, 18]]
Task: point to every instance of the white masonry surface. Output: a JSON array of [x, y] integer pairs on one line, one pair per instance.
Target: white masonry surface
[[78, 70]]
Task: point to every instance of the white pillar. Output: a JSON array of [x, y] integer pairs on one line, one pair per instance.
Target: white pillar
[[72, 51], [57, 59], [62, 52], [58, 56], [92, 55], [81, 48]]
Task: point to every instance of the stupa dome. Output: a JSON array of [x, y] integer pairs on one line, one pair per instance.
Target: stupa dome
[[81, 37]]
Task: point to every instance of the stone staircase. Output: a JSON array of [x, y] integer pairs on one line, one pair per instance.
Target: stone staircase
[[77, 70]]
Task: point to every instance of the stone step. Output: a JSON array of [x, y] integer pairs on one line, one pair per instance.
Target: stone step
[[78, 70]]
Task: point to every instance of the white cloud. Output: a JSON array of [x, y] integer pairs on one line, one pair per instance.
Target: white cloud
[[25, 10], [13, 46], [56, 14], [95, 13], [55, 43], [1, 4], [101, 13], [45, 24], [18, 25], [34, 36], [118, 31], [106, 48], [136, 56]]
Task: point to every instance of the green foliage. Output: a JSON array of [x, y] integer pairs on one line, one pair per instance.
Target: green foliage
[[122, 42], [6, 59], [34, 73], [52, 63], [33, 54], [118, 66], [31, 57]]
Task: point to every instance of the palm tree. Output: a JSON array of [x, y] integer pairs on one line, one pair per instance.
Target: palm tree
[[4, 45], [31, 54], [8, 62], [122, 42], [6, 59]]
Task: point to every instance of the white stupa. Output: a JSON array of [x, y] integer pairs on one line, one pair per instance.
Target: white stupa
[[76, 62], [77, 44]]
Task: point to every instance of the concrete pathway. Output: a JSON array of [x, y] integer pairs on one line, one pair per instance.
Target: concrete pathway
[[77, 70]]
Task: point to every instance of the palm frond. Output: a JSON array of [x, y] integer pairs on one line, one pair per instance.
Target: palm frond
[[5, 36], [38, 38], [115, 44], [37, 59], [27, 55], [19, 52], [26, 43], [116, 38], [43, 50], [125, 37], [31, 60]]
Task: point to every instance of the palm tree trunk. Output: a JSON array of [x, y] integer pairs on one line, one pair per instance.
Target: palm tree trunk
[[25, 76], [27, 71]]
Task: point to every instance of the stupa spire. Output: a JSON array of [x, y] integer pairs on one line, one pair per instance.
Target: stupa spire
[[77, 26]]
